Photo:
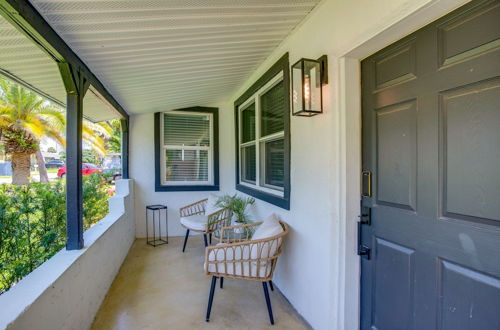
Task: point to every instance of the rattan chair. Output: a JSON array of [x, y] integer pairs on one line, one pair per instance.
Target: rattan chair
[[245, 259], [193, 218]]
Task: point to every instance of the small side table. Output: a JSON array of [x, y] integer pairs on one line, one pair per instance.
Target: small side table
[[230, 236], [156, 210]]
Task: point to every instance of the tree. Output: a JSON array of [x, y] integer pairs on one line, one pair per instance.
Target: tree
[[2, 151], [110, 133], [51, 150], [25, 117], [91, 156]]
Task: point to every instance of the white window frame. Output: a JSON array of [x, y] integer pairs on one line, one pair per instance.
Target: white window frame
[[164, 148], [258, 141]]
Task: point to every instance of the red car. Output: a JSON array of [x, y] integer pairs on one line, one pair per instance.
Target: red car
[[87, 169]]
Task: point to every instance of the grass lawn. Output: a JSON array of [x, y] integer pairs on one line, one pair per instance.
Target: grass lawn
[[33, 174], [49, 170]]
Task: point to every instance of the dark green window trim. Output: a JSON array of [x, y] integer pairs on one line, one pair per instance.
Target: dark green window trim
[[215, 185], [281, 65]]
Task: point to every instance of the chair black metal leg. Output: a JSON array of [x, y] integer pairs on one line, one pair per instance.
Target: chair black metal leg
[[271, 285], [268, 302], [185, 240], [210, 240], [221, 282], [205, 238], [211, 298]]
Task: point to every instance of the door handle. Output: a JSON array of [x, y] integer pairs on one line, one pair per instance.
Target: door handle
[[363, 250]]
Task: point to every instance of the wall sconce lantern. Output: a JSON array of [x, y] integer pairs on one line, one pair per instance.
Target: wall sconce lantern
[[308, 76]]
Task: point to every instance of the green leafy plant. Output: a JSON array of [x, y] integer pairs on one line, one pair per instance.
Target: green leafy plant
[[91, 156], [33, 223], [237, 205], [95, 199]]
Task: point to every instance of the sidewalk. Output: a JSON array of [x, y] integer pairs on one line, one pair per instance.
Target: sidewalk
[[34, 178]]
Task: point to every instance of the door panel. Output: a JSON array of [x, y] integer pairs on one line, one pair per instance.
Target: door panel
[[431, 138], [394, 290], [483, 23], [396, 158], [395, 66], [471, 127], [455, 312]]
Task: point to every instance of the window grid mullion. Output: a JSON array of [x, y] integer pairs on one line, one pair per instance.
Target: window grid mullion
[[246, 144], [240, 133], [257, 137], [274, 136], [211, 149], [179, 147]]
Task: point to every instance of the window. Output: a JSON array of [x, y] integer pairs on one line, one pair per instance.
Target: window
[[187, 150], [263, 137]]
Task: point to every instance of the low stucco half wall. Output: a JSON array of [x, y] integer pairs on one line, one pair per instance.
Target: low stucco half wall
[[66, 291]]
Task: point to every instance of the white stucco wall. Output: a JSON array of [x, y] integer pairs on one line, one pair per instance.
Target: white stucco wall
[[319, 270], [66, 291]]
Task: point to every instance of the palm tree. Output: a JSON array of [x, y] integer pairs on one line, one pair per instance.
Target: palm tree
[[114, 136], [111, 134], [26, 117]]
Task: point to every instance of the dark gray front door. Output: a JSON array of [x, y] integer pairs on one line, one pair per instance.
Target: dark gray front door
[[431, 139]]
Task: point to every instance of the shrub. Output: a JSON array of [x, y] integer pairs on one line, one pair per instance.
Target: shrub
[[33, 223]]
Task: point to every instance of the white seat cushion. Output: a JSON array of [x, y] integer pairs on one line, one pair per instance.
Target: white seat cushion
[[269, 228], [235, 267], [195, 222]]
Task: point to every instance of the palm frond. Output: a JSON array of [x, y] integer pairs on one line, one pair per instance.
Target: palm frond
[[23, 110]]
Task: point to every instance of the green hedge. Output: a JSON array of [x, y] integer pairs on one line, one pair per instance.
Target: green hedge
[[33, 223]]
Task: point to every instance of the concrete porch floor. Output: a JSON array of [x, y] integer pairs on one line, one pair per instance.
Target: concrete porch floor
[[163, 288]]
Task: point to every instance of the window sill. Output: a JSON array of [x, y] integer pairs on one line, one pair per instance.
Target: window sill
[[282, 202], [159, 188]]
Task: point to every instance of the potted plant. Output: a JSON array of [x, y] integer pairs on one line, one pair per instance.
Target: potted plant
[[237, 205]]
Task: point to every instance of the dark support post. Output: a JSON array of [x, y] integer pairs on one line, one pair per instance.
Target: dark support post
[[221, 282], [268, 302], [76, 87], [205, 239], [271, 285], [125, 148], [185, 240], [211, 298]]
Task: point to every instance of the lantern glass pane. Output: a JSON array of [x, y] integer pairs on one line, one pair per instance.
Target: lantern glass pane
[[297, 88], [312, 86]]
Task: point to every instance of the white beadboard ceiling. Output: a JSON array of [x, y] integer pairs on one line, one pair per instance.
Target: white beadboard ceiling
[[21, 58], [155, 55]]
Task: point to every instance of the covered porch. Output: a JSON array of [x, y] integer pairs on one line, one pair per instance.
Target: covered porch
[[160, 288], [209, 106]]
